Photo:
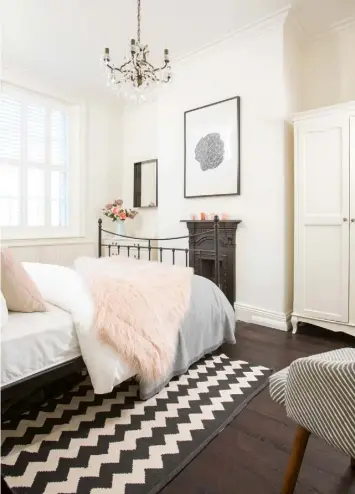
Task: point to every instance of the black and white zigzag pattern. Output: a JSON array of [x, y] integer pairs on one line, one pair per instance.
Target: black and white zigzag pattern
[[115, 443]]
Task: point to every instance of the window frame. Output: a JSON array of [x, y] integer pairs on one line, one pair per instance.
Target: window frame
[[76, 119]]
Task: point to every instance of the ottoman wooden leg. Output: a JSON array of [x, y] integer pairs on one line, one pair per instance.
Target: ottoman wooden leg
[[352, 463], [294, 464]]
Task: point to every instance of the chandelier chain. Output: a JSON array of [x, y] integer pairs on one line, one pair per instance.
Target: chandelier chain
[[139, 21]]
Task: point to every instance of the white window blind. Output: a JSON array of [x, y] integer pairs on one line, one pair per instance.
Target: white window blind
[[35, 162]]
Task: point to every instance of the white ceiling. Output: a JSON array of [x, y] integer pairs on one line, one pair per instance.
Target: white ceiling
[[63, 39]]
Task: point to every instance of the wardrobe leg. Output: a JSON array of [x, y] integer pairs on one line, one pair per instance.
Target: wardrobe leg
[[294, 322]]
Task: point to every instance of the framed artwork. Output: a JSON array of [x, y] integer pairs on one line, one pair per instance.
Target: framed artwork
[[212, 149]]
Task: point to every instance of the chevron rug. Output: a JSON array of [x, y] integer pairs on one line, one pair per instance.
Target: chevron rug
[[81, 443]]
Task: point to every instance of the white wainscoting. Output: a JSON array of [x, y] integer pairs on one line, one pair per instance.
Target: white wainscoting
[[62, 253], [276, 320]]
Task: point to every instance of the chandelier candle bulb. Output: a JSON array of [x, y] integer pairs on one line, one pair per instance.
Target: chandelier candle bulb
[[106, 57]]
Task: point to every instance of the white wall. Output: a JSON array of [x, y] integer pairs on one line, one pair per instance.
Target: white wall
[[103, 162], [328, 69], [139, 143], [249, 64], [100, 162]]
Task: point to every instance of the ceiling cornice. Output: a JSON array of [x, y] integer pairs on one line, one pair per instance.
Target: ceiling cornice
[[337, 27], [27, 80], [279, 15], [309, 38]]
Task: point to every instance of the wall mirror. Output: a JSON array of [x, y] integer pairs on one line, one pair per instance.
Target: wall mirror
[[145, 187]]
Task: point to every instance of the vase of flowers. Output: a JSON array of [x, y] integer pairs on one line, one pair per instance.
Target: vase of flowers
[[119, 215]]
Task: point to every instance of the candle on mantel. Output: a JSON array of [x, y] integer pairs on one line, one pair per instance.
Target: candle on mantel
[[203, 216]]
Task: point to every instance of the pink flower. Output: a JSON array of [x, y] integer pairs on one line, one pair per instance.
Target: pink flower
[[115, 211]]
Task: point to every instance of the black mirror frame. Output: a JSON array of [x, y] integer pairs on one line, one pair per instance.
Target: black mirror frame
[[136, 173]]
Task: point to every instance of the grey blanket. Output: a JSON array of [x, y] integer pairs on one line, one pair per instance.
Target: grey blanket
[[208, 323]]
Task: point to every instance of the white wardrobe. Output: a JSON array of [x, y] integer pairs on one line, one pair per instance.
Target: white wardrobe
[[324, 254]]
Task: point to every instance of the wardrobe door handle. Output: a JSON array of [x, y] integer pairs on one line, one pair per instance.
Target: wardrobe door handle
[[352, 220], [345, 219]]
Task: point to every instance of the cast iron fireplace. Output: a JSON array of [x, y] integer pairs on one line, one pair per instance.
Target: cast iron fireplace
[[203, 261]]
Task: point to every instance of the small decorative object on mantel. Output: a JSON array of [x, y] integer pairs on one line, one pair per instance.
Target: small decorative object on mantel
[[118, 214], [212, 149], [209, 216]]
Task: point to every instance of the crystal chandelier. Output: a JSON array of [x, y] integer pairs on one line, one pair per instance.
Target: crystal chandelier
[[136, 77]]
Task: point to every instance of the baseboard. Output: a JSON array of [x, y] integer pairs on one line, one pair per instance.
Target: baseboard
[[276, 320]]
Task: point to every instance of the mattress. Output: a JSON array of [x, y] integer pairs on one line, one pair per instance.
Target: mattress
[[37, 341]]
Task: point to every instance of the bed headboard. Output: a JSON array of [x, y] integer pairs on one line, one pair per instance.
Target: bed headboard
[[155, 244]]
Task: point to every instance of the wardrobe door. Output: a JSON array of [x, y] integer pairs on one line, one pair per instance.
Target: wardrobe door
[[322, 218], [352, 222]]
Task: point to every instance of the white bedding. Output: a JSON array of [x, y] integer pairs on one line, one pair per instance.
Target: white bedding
[[64, 288], [34, 342]]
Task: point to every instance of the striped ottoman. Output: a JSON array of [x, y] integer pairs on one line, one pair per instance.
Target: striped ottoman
[[318, 393]]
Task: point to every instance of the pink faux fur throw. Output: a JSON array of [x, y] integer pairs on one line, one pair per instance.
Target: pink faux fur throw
[[139, 307]]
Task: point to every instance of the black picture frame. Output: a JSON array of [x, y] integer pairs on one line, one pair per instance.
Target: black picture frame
[[137, 183], [238, 101]]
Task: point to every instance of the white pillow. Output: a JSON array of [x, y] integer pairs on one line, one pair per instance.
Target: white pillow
[[4, 314], [63, 287], [55, 283]]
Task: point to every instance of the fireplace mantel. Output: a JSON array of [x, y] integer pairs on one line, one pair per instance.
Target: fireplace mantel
[[196, 226], [203, 263], [211, 221]]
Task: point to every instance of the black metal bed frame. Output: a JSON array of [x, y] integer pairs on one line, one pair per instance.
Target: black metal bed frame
[[173, 250], [15, 391]]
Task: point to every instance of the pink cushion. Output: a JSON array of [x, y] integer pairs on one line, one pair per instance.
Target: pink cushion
[[20, 291]]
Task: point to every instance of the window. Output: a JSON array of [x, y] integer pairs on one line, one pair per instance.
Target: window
[[37, 164]]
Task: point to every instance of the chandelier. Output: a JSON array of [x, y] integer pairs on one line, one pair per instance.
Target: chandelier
[[136, 77]]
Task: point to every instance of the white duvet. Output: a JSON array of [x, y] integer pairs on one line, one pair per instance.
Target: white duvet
[[64, 288]]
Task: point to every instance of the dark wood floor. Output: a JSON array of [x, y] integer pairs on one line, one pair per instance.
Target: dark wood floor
[[250, 455]]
